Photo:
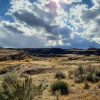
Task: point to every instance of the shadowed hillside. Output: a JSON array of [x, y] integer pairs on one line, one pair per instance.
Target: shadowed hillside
[[18, 54]]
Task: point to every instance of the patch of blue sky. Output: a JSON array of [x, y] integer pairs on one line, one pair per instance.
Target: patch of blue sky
[[4, 7], [33, 1], [69, 25], [89, 3], [80, 30]]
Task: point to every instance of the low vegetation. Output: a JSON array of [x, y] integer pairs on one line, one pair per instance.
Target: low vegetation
[[15, 88], [90, 74], [61, 87], [45, 77], [60, 75], [86, 85]]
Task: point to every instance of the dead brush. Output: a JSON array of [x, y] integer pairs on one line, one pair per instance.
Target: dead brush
[[60, 75]]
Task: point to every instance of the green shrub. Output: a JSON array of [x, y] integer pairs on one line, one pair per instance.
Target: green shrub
[[79, 74], [91, 77], [98, 73], [79, 71], [60, 86], [15, 88], [60, 75], [90, 74]]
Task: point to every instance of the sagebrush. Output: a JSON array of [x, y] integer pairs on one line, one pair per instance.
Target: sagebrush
[[15, 88]]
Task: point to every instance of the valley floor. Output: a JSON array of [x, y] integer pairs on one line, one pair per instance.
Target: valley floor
[[43, 70]]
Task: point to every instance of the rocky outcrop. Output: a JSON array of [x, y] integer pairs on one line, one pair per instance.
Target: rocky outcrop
[[16, 56]]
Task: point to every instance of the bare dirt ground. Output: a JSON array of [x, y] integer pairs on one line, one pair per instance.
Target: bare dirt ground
[[43, 70]]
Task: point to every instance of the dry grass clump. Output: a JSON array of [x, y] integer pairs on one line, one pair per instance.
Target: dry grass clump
[[90, 74], [60, 75], [15, 88], [79, 74], [61, 87], [86, 85], [99, 85]]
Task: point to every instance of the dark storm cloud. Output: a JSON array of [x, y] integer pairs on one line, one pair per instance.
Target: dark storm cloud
[[35, 21], [15, 40], [91, 15], [13, 29]]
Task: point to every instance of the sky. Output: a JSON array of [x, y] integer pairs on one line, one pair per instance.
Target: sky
[[49, 23]]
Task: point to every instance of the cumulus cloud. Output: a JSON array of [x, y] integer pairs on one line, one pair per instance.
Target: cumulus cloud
[[37, 21], [45, 23], [91, 23]]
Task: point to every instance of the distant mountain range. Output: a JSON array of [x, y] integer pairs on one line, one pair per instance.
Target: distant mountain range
[[56, 51], [19, 54]]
